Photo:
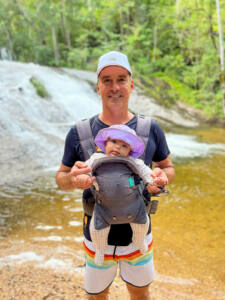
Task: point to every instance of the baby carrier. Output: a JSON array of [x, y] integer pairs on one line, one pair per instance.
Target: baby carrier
[[89, 147], [118, 200]]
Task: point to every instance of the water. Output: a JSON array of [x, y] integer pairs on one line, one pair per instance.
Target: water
[[184, 146], [33, 129], [42, 225]]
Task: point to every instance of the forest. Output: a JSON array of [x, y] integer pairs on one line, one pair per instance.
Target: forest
[[175, 47]]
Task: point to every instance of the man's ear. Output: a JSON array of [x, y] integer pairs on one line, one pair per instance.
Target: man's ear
[[97, 87], [132, 84]]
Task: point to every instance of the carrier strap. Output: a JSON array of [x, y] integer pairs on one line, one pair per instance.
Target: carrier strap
[[143, 131], [86, 138]]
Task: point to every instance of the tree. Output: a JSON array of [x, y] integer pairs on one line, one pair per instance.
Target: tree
[[220, 30]]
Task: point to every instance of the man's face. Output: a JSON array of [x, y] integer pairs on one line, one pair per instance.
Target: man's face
[[114, 85]]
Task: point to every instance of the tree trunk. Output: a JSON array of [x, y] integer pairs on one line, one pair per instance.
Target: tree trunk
[[211, 31], [127, 21], [121, 22], [178, 8], [178, 32], [155, 41], [55, 45], [220, 30], [12, 55], [64, 25]]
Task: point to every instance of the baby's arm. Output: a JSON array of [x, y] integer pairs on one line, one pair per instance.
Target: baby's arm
[[144, 172]]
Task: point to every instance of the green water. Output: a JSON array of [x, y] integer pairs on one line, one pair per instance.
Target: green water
[[188, 229]]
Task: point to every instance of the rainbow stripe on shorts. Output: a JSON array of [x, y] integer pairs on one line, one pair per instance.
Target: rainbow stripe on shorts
[[135, 258]]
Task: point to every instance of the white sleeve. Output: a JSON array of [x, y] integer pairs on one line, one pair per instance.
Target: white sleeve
[[144, 171], [93, 157]]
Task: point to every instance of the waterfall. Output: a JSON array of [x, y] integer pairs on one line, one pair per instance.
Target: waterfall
[[33, 129]]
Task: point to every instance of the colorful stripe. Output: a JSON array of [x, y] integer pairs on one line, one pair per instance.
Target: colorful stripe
[[134, 258]]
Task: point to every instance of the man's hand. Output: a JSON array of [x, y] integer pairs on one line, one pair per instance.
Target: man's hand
[[79, 177], [160, 180], [76, 177]]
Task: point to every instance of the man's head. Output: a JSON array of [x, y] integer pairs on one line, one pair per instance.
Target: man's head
[[113, 58], [114, 81]]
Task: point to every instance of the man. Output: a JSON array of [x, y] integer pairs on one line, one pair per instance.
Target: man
[[115, 85]]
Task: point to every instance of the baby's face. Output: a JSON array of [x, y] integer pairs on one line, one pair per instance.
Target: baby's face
[[115, 147]]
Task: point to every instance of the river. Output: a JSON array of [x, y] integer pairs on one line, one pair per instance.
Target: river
[[42, 226]]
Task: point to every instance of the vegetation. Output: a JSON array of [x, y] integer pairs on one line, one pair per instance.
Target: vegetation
[[171, 43], [39, 87]]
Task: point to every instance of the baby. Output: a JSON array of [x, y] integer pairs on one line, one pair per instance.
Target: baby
[[120, 141]]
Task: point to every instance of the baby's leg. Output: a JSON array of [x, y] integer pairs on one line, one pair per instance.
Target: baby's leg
[[99, 239], [139, 234]]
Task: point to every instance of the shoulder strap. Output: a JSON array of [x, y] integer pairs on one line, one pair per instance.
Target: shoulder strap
[[86, 137], [143, 131]]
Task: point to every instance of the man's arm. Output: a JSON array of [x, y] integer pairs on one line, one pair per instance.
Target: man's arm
[[74, 178], [163, 173], [166, 166]]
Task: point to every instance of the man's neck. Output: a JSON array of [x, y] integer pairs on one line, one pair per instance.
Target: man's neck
[[113, 119]]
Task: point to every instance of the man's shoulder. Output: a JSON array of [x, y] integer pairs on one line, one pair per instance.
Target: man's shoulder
[[86, 120], [145, 118]]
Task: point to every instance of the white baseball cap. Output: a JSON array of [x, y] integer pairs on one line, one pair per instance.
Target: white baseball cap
[[113, 58]]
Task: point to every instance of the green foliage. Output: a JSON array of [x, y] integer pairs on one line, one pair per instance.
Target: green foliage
[[39, 87], [173, 45]]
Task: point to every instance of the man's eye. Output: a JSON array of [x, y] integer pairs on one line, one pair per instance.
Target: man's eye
[[113, 141], [125, 146]]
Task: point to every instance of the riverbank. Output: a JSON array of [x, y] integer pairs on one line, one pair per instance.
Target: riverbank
[[22, 279]]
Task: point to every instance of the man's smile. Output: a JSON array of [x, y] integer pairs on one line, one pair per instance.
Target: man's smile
[[117, 96]]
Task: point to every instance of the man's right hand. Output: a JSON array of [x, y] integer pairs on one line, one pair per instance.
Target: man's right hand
[[76, 177], [79, 177]]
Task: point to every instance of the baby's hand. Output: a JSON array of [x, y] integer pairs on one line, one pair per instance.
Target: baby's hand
[[84, 181], [160, 180]]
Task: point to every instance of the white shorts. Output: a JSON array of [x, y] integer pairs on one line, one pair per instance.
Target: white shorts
[[135, 268]]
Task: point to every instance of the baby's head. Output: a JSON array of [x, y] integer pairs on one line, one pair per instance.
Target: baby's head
[[114, 147], [119, 140]]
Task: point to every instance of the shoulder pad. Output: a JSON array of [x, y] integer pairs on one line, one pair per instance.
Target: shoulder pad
[[143, 131], [86, 138]]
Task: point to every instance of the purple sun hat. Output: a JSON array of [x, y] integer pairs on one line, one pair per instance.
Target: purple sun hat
[[123, 133]]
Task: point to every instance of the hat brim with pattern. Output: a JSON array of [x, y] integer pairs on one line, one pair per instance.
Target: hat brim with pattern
[[123, 133]]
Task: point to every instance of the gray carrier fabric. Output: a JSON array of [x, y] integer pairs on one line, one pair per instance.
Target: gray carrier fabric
[[89, 147], [118, 200], [86, 138], [143, 130]]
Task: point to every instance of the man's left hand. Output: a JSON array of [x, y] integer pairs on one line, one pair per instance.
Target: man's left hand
[[160, 180]]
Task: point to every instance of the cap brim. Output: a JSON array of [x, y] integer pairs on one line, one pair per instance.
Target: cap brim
[[112, 64]]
